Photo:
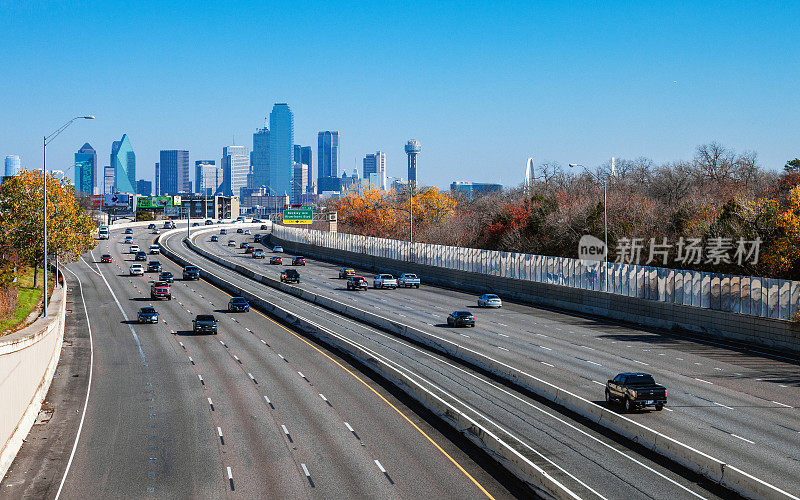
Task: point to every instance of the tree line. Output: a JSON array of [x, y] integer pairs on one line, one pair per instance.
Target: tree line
[[720, 208]]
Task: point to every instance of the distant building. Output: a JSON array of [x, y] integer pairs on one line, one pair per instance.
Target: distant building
[[85, 169], [174, 176], [375, 164], [259, 201], [328, 161], [281, 149], [207, 177], [144, 188], [412, 150], [308, 199], [300, 181], [123, 160], [348, 182], [474, 189], [398, 184], [158, 179], [302, 154], [235, 168], [108, 179], [259, 158], [13, 165]]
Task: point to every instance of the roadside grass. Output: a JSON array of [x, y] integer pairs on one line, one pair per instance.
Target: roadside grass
[[28, 298]]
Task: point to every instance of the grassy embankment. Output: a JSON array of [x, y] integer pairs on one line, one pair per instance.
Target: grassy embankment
[[28, 298]]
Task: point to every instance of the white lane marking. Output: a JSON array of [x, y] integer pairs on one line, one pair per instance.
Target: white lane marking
[[465, 335], [548, 364], [127, 320], [88, 387], [286, 431], [718, 369], [349, 428], [781, 404], [501, 324], [547, 348], [219, 431], [668, 409], [249, 330], [237, 359], [679, 359], [598, 383], [722, 405], [210, 403], [201, 379], [704, 381], [640, 362], [230, 474], [223, 343], [380, 467], [262, 341], [251, 377], [502, 334], [181, 343], [743, 439], [503, 348], [268, 401], [305, 470], [191, 360], [592, 362], [323, 397]]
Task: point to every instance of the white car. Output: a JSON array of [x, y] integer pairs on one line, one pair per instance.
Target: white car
[[128, 240], [277, 248], [155, 249], [134, 248], [137, 270], [231, 243], [489, 300], [384, 281]]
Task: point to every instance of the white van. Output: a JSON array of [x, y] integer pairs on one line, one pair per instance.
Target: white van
[[102, 233]]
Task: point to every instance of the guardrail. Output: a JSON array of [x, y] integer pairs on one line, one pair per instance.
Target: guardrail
[[28, 360], [754, 296], [698, 461]]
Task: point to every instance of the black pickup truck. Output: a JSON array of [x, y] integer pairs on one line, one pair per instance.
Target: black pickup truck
[[636, 390], [204, 323]]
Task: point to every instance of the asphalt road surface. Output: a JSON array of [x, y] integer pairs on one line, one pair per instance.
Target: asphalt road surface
[[584, 459], [739, 405], [255, 411]]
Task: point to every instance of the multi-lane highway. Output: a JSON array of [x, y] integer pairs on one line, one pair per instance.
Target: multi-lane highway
[[263, 410], [740, 406], [256, 411], [583, 459]]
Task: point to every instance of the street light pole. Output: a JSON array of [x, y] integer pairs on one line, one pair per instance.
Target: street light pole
[[47, 139], [605, 216]]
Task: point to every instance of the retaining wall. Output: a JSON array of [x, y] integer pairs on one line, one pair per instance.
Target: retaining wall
[[754, 330], [28, 360]]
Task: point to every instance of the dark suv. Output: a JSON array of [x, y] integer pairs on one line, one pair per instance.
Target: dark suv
[[238, 304], [191, 273], [140, 255], [147, 315], [290, 276], [204, 323], [154, 266]]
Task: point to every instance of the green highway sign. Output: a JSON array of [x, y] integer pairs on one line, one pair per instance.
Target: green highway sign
[[303, 215]]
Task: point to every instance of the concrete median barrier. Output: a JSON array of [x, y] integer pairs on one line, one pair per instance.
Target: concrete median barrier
[[28, 360], [717, 470], [506, 455]]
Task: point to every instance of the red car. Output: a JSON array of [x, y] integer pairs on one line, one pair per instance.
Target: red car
[[249, 249], [299, 261], [275, 260], [106, 259]]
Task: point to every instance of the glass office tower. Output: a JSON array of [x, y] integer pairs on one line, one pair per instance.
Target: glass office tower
[[281, 149]]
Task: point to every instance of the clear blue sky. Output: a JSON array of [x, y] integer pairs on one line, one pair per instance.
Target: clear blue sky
[[482, 86]]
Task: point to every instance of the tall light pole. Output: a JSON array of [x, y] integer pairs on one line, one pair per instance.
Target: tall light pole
[[47, 140], [605, 213]]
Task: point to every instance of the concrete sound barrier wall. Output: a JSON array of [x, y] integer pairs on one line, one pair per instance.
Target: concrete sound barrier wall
[[28, 360]]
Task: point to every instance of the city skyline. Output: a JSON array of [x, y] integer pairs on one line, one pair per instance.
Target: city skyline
[[520, 82]]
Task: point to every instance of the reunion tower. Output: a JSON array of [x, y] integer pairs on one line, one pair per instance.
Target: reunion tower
[[412, 150]]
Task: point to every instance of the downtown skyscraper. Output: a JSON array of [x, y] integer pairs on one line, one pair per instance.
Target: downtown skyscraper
[[259, 158], [303, 155], [328, 161], [123, 161], [281, 149], [235, 169], [375, 164], [86, 169], [207, 177], [174, 171]]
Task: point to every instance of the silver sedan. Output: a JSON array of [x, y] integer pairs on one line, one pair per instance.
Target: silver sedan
[[489, 300]]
